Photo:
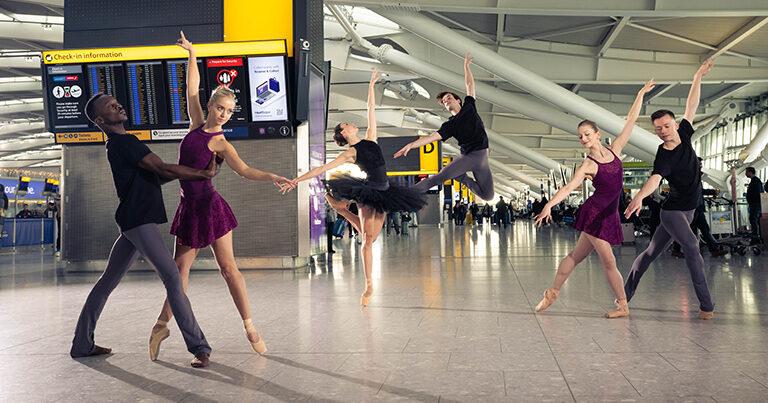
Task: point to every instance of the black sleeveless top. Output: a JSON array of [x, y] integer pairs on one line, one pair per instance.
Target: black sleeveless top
[[371, 161]]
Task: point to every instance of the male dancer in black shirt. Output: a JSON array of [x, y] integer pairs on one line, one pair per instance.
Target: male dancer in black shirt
[[138, 173], [467, 127], [677, 162]]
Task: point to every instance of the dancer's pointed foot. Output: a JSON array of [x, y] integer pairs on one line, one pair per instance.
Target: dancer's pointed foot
[[365, 299], [621, 311], [159, 333], [550, 296], [257, 342], [201, 360]]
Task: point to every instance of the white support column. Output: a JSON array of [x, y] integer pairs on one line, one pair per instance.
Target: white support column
[[727, 113], [490, 60], [756, 147], [527, 105]]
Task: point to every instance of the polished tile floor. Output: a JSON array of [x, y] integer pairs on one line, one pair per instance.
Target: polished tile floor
[[451, 320]]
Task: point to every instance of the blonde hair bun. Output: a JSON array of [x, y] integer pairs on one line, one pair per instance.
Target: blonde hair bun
[[222, 91]]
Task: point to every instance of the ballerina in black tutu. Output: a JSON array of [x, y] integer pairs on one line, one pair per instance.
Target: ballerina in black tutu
[[374, 196]]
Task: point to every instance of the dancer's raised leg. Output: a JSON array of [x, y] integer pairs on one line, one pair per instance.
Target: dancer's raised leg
[[342, 208], [564, 269]]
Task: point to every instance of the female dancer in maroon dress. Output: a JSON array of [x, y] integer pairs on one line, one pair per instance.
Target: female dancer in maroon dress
[[203, 218], [598, 217], [375, 196]]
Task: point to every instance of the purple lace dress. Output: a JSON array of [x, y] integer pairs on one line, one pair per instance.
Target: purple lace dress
[[599, 215], [203, 216]]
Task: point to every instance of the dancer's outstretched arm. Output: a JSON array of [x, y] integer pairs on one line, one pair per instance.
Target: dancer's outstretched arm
[[694, 95], [168, 172], [469, 79], [634, 112], [588, 167], [371, 133], [421, 141], [347, 156], [221, 146], [648, 188], [194, 109]]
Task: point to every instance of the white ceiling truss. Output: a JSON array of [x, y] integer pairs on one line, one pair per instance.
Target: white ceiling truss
[[602, 50]]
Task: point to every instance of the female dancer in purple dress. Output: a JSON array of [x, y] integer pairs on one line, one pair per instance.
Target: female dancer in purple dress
[[203, 217], [598, 218], [375, 196]]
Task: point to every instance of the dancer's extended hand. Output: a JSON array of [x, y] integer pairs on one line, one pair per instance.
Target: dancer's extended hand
[[705, 67], [212, 169], [283, 189], [183, 42], [403, 151], [648, 86], [467, 59], [544, 217], [375, 75], [284, 184], [634, 207]]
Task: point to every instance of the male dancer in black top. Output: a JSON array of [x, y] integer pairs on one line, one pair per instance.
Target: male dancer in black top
[[677, 162], [468, 129], [138, 173]]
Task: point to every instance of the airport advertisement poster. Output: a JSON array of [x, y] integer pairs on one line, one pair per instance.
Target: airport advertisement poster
[[269, 100]]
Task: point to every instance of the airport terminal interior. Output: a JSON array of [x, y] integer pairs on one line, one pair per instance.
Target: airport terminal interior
[[353, 201]]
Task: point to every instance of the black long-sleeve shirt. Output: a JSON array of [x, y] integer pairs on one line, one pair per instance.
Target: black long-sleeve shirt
[[754, 189]]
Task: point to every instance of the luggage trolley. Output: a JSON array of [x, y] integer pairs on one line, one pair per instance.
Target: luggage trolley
[[721, 222]]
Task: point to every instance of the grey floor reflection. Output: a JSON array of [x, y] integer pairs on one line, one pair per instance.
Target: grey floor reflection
[[451, 319]]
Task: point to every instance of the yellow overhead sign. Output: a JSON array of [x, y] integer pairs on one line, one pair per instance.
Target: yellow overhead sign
[[97, 55], [79, 137], [96, 137], [429, 159], [274, 19]]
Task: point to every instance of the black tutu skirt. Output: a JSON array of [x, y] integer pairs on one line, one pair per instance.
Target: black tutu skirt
[[382, 197]]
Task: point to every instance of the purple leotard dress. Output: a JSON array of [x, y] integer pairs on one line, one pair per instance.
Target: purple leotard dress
[[599, 215], [203, 216]]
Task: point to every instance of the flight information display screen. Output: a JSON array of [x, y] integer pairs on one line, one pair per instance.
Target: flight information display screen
[[108, 78], [145, 95], [150, 83], [177, 90]]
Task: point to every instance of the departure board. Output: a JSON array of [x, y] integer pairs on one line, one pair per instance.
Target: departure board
[[108, 78], [176, 77], [151, 84], [145, 94]]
